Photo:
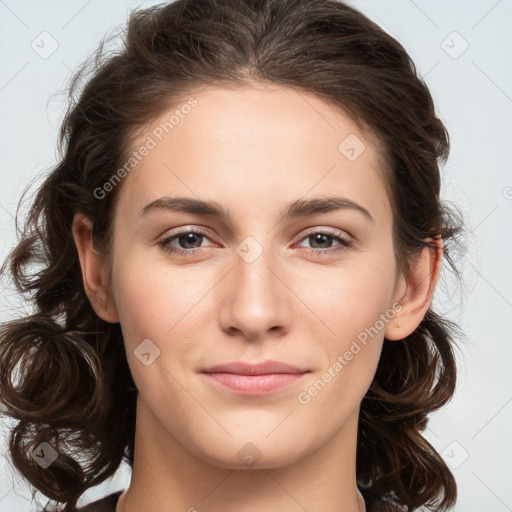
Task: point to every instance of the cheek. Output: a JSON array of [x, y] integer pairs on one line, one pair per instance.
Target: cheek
[[158, 308], [152, 297], [350, 298], [353, 305], [164, 305]]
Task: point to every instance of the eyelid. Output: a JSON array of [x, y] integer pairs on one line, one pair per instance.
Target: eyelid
[[334, 232], [189, 228], [326, 229]]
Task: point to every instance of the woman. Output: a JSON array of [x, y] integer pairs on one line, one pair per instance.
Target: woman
[[240, 248]]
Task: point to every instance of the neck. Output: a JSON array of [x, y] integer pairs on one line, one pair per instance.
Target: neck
[[166, 476]]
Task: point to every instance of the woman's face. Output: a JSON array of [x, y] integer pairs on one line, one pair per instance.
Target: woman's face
[[273, 279]]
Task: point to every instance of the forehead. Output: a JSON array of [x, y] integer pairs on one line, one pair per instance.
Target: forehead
[[253, 144]]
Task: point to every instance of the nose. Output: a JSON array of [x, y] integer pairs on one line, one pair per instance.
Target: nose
[[256, 302]]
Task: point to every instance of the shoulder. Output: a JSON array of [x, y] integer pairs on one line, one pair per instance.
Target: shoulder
[[106, 504]]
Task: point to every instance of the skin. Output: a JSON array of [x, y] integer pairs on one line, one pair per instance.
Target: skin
[[253, 150]]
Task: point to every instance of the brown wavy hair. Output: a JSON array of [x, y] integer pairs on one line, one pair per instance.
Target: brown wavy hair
[[73, 383]]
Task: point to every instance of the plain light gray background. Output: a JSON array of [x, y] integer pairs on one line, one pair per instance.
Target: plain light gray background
[[463, 49]]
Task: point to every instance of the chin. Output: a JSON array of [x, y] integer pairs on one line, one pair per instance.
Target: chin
[[240, 454]]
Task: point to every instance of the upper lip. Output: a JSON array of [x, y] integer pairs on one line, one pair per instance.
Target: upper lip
[[263, 368]]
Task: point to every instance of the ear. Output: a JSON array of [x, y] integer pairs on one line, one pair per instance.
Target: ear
[[93, 270], [419, 290]]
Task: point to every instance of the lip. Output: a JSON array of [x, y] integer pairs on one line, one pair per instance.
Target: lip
[[254, 379], [263, 368]]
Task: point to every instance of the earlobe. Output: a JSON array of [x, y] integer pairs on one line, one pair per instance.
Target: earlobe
[[93, 270], [420, 287]]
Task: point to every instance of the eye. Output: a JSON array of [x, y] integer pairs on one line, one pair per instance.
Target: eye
[[188, 239], [188, 242], [324, 240]]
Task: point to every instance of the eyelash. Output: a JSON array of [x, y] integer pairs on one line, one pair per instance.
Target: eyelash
[[166, 246]]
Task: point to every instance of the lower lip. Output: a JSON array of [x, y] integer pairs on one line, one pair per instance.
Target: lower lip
[[254, 384]]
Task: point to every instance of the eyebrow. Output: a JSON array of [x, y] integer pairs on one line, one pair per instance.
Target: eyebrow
[[299, 208]]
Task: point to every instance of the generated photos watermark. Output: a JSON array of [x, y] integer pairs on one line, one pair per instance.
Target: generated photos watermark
[[142, 151], [304, 397]]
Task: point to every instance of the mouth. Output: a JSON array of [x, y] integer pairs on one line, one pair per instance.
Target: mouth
[[254, 379]]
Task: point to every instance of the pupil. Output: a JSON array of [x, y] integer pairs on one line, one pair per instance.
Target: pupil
[[318, 238], [189, 238]]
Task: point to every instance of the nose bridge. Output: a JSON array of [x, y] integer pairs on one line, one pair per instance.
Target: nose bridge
[[252, 268], [257, 300]]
